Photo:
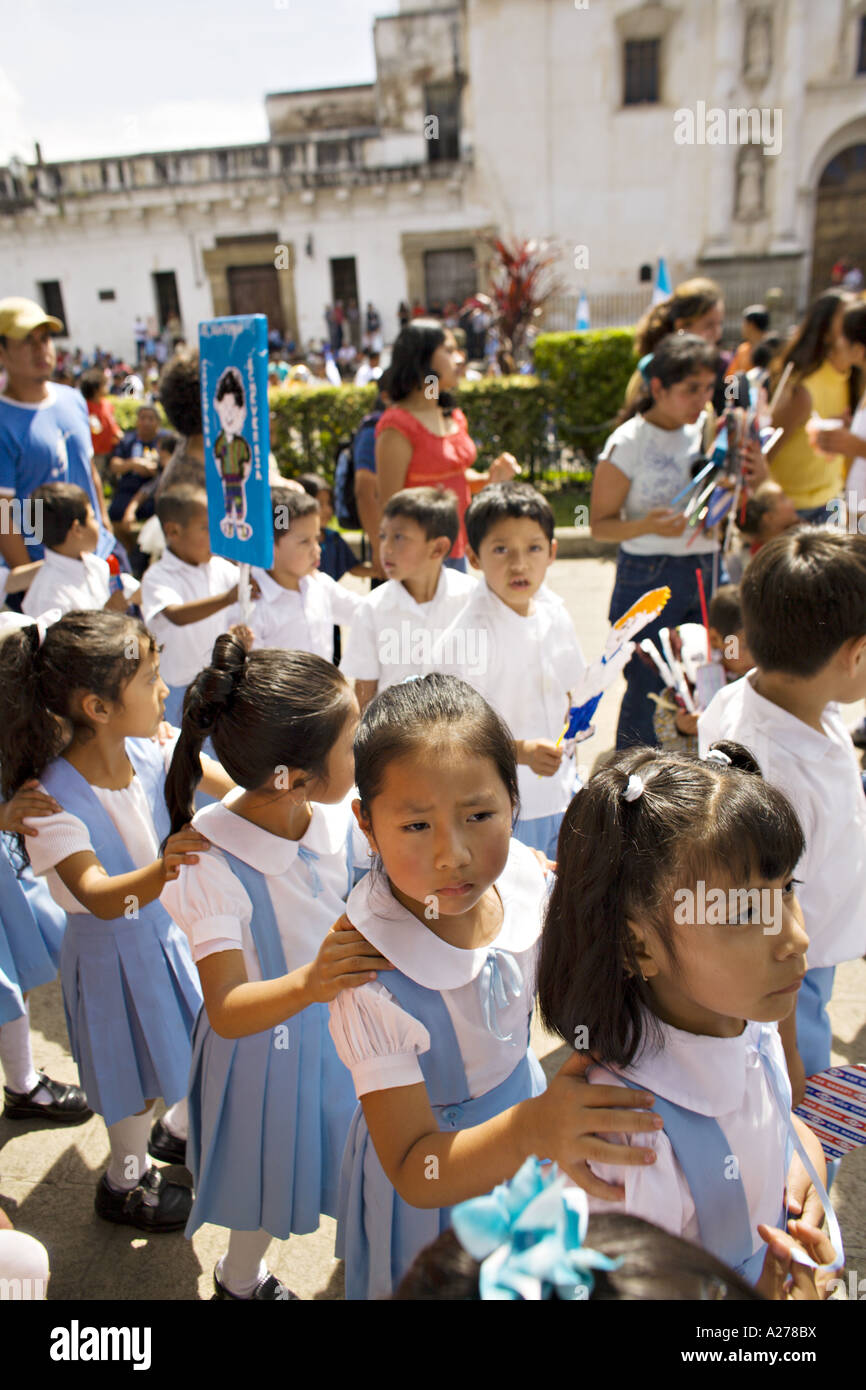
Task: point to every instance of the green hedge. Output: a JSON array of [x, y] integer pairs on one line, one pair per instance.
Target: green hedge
[[579, 389], [587, 374]]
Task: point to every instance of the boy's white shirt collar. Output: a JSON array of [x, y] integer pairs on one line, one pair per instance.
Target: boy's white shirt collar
[[271, 590], [68, 565], [783, 727], [269, 854], [704, 1074], [422, 955]]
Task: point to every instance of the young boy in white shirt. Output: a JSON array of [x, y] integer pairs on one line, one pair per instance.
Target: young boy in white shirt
[[804, 609], [72, 577], [297, 605], [532, 659], [396, 630], [189, 596]]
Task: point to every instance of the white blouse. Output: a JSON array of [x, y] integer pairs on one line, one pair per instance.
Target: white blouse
[[60, 836], [722, 1077], [307, 890], [380, 1042]]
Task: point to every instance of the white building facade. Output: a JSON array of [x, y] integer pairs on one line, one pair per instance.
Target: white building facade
[[728, 136]]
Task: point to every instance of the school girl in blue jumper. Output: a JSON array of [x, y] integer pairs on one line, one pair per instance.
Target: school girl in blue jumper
[[270, 1102], [452, 1097], [79, 711], [31, 933], [673, 944]]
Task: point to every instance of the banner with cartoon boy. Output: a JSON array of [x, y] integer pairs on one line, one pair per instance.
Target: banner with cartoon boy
[[233, 355]]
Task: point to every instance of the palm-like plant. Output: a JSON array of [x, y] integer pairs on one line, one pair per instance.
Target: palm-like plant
[[521, 281]]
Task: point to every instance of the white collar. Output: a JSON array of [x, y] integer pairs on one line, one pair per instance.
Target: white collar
[[271, 591], [68, 566], [782, 727], [270, 854], [399, 596], [704, 1074], [50, 399], [172, 561], [425, 957]]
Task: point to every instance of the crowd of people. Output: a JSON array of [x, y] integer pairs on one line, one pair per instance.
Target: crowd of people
[[303, 888]]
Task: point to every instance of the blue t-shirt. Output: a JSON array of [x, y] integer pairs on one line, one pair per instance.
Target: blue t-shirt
[[126, 486], [364, 443], [48, 443], [337, 556]]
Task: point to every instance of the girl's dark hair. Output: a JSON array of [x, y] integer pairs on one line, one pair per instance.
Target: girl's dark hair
[[810, 345], [620, 860], [413, 716], [96, 652], [180, 392], [91, 382], [263, 710], [689, 301], [313, 483], [655, 1265], [411, 354], [854, 327], [677, 357]]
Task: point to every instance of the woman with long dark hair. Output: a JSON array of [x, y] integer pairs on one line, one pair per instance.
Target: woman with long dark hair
[[423, 440], [821, 382]]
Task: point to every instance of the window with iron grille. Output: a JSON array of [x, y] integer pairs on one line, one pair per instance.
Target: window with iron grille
[[641, 58], [329, 153]]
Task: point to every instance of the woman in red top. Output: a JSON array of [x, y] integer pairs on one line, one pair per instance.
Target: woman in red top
[[422, 440]]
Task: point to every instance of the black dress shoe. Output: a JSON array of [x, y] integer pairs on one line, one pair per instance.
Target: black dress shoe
[[268, 1289], [164, 1145], [68, 1104], [169, 1213]]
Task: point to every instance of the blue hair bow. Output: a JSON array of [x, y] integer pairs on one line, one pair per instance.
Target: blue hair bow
[[529, 1235]]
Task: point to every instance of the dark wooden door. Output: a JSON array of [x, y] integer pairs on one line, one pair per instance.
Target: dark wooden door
[[254, 289], [840, 216]]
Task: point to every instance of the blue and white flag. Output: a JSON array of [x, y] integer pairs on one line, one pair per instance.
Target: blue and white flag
[[662, 287], [581, 324], [233, 354]]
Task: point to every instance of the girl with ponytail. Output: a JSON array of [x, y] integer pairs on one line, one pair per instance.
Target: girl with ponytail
[[78, 714], [270, 1102], [672, 946]]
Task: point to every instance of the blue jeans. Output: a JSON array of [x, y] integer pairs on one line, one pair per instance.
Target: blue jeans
[[816, 516], [634, 575]]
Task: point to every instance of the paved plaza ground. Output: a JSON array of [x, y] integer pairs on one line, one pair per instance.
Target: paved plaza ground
[[48, 1175]]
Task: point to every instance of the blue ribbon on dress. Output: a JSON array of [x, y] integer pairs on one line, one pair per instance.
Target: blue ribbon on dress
[[310, 858], [782, 1100], [529, 1235], [500, 981]]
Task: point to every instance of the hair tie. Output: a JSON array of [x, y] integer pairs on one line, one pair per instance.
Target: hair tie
[[716, 755], [529, 1235], [644, 364], [633, 788]]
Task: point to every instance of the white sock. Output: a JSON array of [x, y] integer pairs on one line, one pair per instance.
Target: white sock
[[17, 1058], [243, 1266], [176, 1120], [129, 1161]]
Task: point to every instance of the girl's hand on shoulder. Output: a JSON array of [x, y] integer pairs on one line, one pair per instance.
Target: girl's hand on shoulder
[[572, 1113], [180, 849], [244, 635], [29, 800], [163, 735], [345, 960], [661, 521]]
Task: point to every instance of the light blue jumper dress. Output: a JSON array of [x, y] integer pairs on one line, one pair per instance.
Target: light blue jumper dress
[[704, 1155], [268, 1113], [31, 932], [130, 989], [378, 1234]]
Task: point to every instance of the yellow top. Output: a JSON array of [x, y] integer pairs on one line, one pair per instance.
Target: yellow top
[[809, 478]]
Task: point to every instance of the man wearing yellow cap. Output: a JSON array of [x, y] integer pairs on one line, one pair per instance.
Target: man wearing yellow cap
[[44, 428]]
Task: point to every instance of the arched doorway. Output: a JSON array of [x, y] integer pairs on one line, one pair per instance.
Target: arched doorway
[[840, 215]]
